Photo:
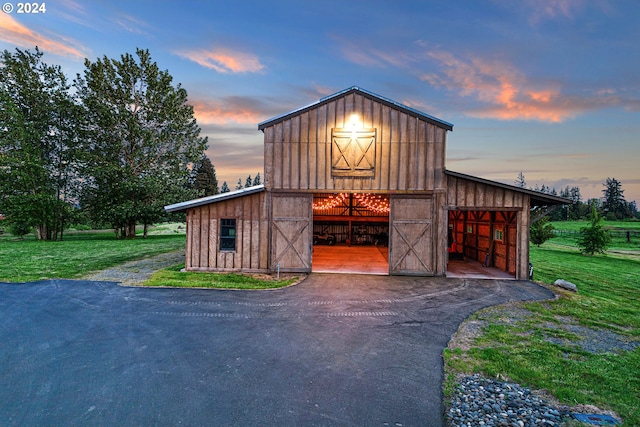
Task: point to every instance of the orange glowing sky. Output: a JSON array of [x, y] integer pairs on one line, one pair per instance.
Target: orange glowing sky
[[549, 88]]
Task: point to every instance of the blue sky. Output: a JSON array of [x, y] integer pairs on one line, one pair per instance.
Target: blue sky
[[549, 88]]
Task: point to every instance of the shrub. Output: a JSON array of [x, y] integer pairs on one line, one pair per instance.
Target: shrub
[[20, 229], [541, 231], [593, 238]]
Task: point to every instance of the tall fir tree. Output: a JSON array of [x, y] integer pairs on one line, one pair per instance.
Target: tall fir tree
[[613, 202], [205, 181]]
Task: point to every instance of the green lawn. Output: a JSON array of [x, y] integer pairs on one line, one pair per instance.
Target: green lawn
[[173, 277], [77, 255], [613, 225], [568, 231], [538, 352], [81, 253]]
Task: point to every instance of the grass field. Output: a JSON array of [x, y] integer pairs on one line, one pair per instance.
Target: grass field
[[78, 254], [81, 253], [173, 277], [547, 349], [568, 231]]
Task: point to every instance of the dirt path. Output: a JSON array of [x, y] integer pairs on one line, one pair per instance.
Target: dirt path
[[133, 273]]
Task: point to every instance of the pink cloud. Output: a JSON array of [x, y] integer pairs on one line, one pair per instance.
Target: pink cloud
[[363, 54], [553, 9], [227, 111], [509, 95], [224, 60], [13, 32], [131, 24]]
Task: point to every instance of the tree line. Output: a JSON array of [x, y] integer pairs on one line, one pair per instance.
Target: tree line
[[594, 237], [113, 146], [611, 206]]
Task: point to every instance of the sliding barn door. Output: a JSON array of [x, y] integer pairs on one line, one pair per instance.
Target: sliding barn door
[[411, 234], [291, 232]]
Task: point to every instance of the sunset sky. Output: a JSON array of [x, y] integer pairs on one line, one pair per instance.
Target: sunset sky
[[549, 88]]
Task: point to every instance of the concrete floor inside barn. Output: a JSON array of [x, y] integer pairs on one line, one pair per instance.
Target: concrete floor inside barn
[[374, 260]]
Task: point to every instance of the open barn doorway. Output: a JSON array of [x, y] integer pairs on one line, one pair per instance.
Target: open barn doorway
[[482, 244], [350, 233]]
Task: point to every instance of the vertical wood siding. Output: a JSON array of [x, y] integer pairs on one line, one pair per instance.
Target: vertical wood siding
[[252, 235], [409, 151]]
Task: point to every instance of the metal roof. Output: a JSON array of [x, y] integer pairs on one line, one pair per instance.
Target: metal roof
[[213, 199], [537, 198], [355, 89]]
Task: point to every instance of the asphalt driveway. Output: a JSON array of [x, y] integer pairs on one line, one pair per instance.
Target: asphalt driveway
[[344, 350]]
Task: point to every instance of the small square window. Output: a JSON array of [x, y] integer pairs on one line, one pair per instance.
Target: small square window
[[497, 235], [470, 229], [228, 234]]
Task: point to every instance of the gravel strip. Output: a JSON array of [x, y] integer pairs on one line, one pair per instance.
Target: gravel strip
[[134, 273], [483, 402]]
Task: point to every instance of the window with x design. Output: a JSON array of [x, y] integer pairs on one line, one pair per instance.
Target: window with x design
[[353, 152]]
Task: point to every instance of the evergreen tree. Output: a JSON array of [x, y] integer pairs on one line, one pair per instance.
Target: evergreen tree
[[206, 182], [574, 211], [613, 202], [239, 184], [225, 188], [593, 238], [140, 136], [541, 231], [520, 182], [248, 182], [256, 180]]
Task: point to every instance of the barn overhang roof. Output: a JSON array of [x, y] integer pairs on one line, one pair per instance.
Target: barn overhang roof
[[370, 95], [537, 198], [182, 206]]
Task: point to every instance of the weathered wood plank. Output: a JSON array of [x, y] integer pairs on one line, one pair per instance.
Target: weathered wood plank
[[422, 158], [305, 152], [404, 162], [287, 155], [278, 156], [414, 167], [357, 110], [212, 239], [367, 113], [294, 162], [438, 166], [188, 251], [331, 122], [195, 246], [431, 153], [204, 236], [268, 156], [394, 139], [340, 120]]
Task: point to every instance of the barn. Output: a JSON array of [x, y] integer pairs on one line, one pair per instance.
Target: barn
[[360, 180]]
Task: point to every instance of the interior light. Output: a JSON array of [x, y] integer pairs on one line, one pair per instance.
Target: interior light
[[355, 122]]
